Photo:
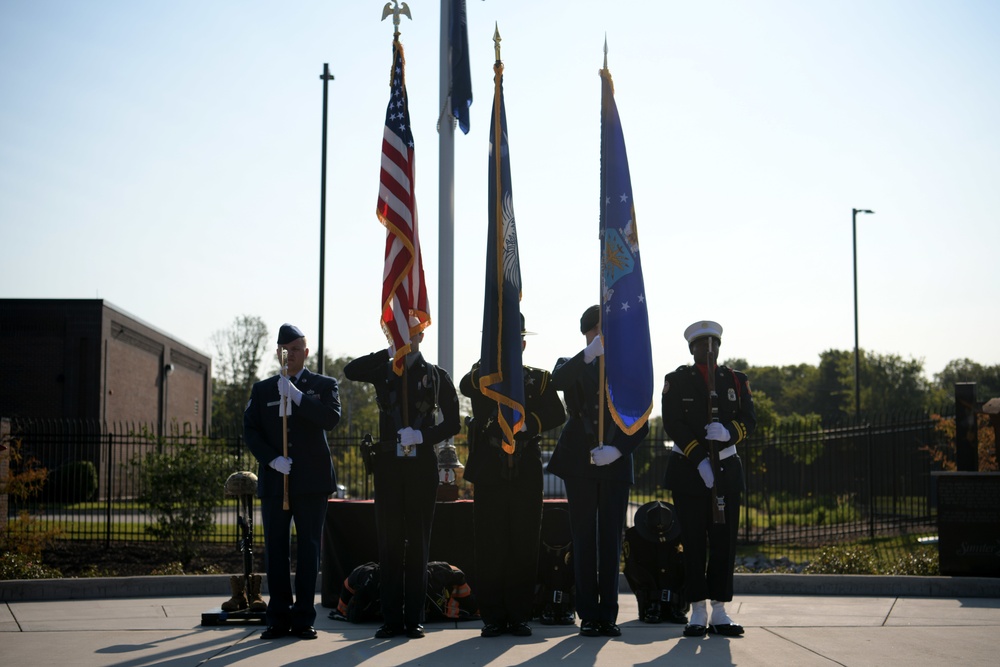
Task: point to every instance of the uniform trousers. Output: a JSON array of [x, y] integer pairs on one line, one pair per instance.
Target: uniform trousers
[[508, 520], [705, 540], [308, 511], [405, 493], [597, 522]]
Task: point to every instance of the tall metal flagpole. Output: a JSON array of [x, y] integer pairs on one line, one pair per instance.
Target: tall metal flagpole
[[321, 366], [446, 205]]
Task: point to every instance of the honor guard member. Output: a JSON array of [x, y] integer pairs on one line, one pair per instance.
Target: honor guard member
[[687, 407], [508, 500], [406, 476], [597, 482], [313, 408]]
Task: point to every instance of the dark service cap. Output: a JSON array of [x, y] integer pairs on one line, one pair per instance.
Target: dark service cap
[[289, 332]]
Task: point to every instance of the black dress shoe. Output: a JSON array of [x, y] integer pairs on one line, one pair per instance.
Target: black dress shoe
[[274, 632], [387, 632], [519, 629], [415, 632], [694, 630], [609, 629], [726, 629], [590, 629], [493, 630], [676, 617], [305, 632]]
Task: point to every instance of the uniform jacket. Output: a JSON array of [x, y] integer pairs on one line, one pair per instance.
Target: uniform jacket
[[544, 412], [579, 383], [686, 409], [686, 412], [428, 388], [312, 467]]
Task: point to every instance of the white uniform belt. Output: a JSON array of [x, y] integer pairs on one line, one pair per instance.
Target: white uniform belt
[[723, 453]]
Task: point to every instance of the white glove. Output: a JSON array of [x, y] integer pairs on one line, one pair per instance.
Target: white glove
[[716, 431], [705, 470], [594, 350], [288, 390], [602, 456], [282, 464], [409, 436]]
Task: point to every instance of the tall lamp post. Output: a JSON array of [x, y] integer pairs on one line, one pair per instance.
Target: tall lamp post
[[857, 359]]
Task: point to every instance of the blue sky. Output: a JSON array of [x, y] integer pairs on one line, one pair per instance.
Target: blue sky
[[165, 156]]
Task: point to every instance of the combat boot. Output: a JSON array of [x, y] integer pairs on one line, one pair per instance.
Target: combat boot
[[239, 599], [253, 593]]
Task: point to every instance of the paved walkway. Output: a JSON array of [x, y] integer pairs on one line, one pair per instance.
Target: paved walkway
[[903, 620]]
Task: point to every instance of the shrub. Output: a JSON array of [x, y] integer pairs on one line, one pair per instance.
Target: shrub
[[181, 487], [844, 560], [15, 565], [74, 482]]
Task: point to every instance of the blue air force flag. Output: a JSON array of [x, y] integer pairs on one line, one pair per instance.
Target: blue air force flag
[[628, 359]]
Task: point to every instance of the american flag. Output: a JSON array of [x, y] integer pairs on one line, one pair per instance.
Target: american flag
[[405, 312]]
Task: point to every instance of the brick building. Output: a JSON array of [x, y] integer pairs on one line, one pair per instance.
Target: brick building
[[86, 359]]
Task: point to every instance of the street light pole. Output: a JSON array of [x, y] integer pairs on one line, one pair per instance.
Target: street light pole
[[857, 359]]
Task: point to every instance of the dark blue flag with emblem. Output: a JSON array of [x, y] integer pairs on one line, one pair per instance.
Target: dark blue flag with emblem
[[628, 358], [461, 74], [501, 376]]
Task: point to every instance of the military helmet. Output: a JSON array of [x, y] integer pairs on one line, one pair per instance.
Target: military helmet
[[241, 484], [656, 521]]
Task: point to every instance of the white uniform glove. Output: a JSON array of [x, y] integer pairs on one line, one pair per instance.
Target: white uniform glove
[[282, 464], [409, 436], [594, 350], [288, 390], [716, 431], [602, 456], [705, 470]]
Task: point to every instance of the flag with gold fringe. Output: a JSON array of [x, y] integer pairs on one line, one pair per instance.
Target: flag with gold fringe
[[501, 376], [405, 310], [628, 359]]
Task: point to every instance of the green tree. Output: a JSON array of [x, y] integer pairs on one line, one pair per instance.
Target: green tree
[[358, 410], [239, 351], [987, 378], [890, 383], [834, 389]]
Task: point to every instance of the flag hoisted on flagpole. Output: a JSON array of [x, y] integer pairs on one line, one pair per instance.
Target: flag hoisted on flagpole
[[461, 73], [405, 311], [501, 375], [628, 358]]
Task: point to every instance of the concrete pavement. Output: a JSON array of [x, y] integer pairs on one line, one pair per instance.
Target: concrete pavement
[[858, 621]]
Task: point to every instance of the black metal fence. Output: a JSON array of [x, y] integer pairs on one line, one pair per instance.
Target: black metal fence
[[804, 486]]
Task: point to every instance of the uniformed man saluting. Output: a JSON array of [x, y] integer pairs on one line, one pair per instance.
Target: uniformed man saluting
[[709, 546], [508, 500], [406, 476]]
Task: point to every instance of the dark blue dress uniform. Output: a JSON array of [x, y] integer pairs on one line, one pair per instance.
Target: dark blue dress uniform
[[597, 495], [310, 483], [508, 498], [686, 411], [406, 488]]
